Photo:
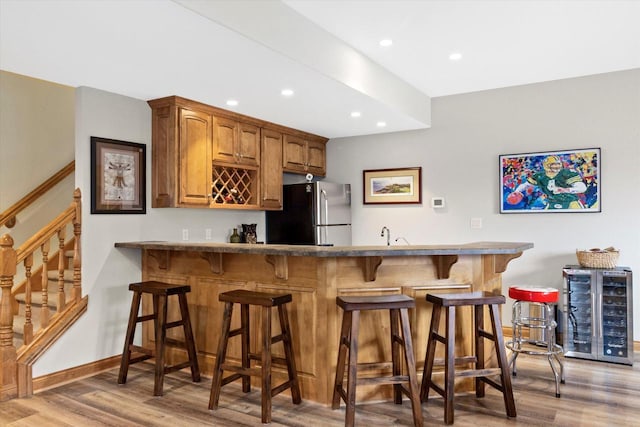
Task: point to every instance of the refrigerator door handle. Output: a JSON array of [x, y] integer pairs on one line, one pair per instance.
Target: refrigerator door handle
[[595, 321], [324, 206], [600, 325]]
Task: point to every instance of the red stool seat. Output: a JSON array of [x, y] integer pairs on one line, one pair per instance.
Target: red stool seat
[[530, 294]]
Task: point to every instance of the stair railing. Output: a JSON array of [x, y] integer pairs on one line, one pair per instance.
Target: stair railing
[[10, 259], [8, 217]]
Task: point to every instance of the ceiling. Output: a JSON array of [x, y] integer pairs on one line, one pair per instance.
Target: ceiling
[[326, 51]]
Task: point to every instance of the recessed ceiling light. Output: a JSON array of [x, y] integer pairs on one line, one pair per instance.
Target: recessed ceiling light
[[455, 56], [287, 92], [232, 102], [355, 114], [386, 42], [381, 124]]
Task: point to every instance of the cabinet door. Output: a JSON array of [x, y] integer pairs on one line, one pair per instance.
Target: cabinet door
[[316, 158], [225, 136], [195, 167], [248, 150], [271, 170], [295, 154]]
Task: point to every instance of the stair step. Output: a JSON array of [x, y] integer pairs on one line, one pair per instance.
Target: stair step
[[52, 300], [68, 276]]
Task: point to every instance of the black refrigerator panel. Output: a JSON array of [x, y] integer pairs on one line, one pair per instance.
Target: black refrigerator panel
[[294, 224]]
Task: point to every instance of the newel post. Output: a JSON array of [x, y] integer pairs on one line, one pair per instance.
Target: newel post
[[8, 259]]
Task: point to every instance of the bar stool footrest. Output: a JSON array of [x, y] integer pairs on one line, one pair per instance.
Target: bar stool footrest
[[396, 379], [176, 367]]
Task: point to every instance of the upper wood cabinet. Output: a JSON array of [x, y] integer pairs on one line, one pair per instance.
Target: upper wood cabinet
[[271, 170], [304, 155], [181, 171], [204, 156], [235, 142], [194, 151]]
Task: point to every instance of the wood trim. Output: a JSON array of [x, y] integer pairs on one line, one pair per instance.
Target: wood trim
[[219, 112], [214, 259], [76, 373], [371, 264], [501, 261], [161, 257], [280, 265], [443, 264], [8, 216]]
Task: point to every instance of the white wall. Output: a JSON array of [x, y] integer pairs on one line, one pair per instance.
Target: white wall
[[36, 141], [459, 160]]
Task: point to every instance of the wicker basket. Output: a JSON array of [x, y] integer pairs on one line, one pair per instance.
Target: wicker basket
[[596, 258]]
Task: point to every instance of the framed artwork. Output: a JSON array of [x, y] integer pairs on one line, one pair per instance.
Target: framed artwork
[[382, 186], [118, 177], [550, 181]]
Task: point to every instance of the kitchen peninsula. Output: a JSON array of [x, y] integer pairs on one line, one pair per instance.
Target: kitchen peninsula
[[315, 275]]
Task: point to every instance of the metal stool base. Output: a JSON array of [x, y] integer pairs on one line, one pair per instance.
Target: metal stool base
[[534, 347]]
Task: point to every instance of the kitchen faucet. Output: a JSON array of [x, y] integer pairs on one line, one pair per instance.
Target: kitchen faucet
[[402, 238], [388, 235]]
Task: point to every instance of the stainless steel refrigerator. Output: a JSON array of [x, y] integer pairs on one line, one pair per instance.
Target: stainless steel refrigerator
[[316, 213]]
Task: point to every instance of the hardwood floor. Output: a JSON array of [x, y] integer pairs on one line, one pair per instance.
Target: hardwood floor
[[595, 394]]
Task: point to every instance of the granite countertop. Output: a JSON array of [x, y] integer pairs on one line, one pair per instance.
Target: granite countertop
[[475, 248]]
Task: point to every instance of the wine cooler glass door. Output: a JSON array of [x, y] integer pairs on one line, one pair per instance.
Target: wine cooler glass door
[[580, 330], [614, 315]]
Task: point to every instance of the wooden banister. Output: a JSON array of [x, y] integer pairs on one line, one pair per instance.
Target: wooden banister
[[15, 375], [8, 217]]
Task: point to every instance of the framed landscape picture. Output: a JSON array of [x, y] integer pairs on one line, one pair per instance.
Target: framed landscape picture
[[550, 181], [382, 186], [118, 177]]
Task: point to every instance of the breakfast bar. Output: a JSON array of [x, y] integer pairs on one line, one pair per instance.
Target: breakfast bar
[[315, 276]]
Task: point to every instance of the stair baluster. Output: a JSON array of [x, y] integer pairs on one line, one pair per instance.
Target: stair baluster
[[62, 232], [44, 308], [27, 330]]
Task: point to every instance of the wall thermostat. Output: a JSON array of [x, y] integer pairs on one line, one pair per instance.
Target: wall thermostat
[[437, 202]]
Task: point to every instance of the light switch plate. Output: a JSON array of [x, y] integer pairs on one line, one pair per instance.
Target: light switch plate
[[476, 223]]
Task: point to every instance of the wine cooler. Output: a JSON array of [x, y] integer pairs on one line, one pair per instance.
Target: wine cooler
[[598, 314]]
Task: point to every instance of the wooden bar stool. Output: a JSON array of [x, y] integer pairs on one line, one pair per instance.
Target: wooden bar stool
[[528, 300], [266, 301], [160, 291], [481, 373], [398, 306]]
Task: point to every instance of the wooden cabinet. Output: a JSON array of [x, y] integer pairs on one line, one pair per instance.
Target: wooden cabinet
[[271, 170], [304, 155], [194, 150], [235, 142], [181, 173], [207, 157]]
